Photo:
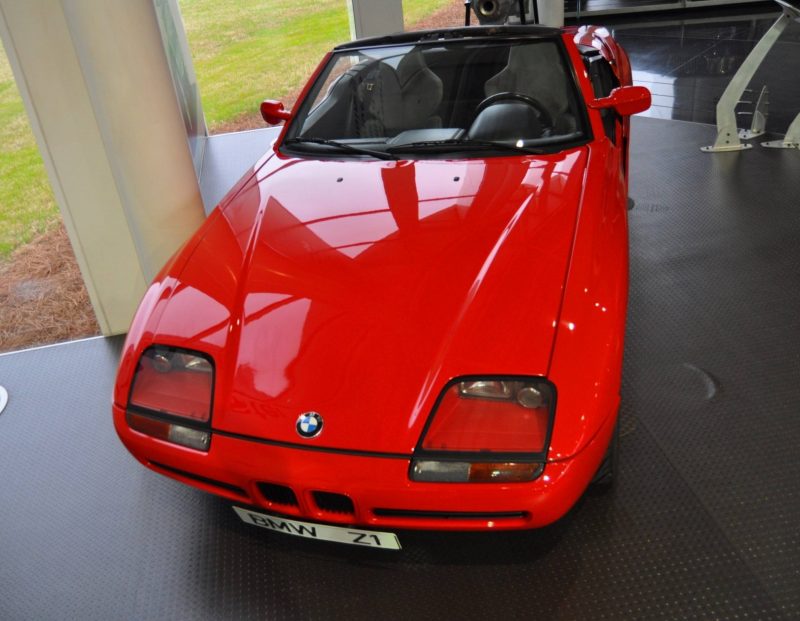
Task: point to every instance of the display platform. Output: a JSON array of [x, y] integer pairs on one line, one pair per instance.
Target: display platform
[[226, 156], [702, 525]]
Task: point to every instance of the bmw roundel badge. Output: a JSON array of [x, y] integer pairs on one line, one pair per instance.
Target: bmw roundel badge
[[309, 424]]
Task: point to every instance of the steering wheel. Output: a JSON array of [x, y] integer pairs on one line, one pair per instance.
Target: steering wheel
[[544, 116]]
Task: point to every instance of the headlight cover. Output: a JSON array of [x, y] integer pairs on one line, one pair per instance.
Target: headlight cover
[[171, 396], [487, 429]]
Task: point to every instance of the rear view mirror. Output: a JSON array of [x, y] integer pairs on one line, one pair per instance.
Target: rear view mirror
[[626, 100], [274, 112]]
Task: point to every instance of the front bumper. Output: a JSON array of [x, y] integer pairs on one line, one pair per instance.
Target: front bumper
[[381, 493]]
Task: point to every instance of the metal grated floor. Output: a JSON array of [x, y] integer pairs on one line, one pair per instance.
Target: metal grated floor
[[703, 524]]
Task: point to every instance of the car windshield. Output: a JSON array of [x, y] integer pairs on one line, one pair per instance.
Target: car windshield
[[435, 98]]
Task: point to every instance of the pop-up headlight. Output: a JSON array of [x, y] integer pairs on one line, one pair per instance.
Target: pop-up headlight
[[485, 430], [171, 386]]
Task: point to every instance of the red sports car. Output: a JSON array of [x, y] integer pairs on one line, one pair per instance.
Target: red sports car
[[410, 312]]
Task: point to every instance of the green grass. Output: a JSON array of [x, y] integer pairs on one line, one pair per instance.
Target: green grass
[[27, 206], [244, 51]]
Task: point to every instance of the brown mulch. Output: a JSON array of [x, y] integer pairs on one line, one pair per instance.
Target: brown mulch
[[42, 295]]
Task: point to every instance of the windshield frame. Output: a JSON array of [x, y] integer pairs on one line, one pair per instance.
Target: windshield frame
[[512, 35]]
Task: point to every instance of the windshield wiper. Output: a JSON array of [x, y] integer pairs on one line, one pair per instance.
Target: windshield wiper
[[341, 146], [462, 143]]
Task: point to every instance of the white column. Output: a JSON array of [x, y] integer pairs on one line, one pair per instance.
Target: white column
[[97, 88], [551, 12], [373, 18]]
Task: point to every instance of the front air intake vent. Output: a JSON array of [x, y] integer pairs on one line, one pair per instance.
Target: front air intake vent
[[278, 494], [334, 503]]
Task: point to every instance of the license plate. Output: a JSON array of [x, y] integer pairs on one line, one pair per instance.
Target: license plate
[[324, 532]]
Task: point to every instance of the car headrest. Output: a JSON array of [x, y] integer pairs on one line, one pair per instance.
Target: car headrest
[[379, 94], [421, 87], [534, 69], [404, 98]]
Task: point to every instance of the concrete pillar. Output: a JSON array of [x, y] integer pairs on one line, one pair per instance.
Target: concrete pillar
[[372, 18], [97, 87], [551, 12]]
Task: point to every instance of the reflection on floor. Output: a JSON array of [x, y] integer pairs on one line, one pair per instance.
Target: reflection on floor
[[687, 61]]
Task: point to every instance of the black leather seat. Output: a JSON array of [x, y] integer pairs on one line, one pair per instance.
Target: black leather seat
[[537, 70], [390, 100]]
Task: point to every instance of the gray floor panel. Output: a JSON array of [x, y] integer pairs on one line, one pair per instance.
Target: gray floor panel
[[226, 157], [702, 525]]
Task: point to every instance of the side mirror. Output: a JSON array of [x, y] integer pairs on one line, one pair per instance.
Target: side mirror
[[274, 112], [626, 100]]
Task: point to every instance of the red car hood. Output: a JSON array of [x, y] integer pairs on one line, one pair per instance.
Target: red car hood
[[357, 289]]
